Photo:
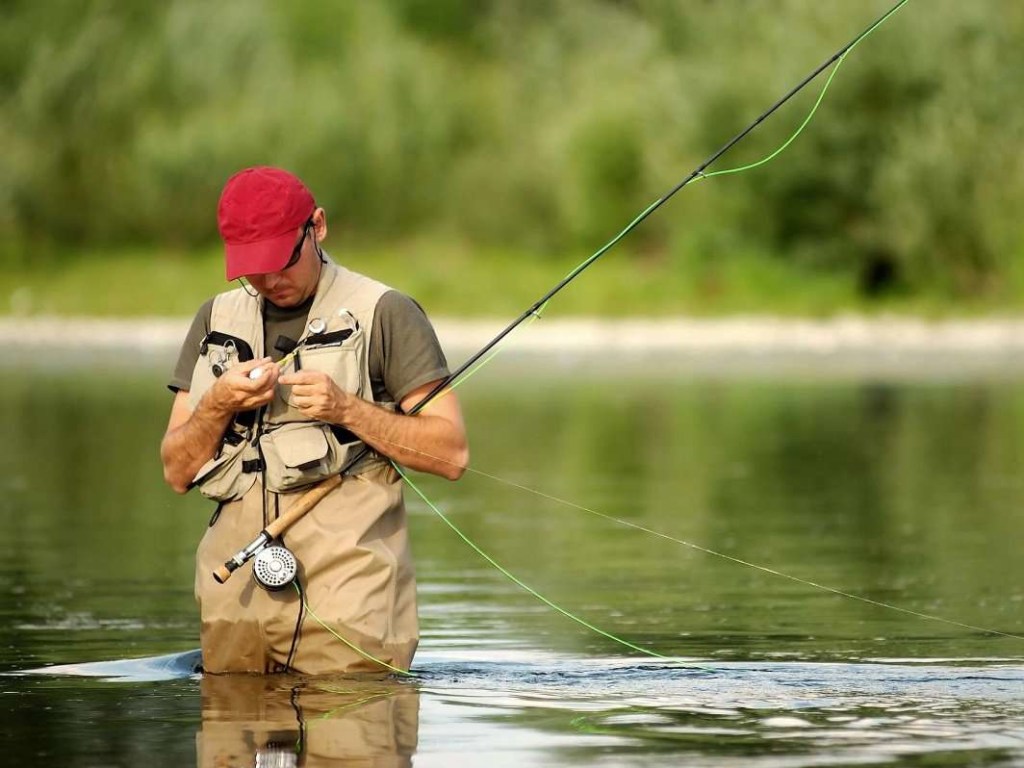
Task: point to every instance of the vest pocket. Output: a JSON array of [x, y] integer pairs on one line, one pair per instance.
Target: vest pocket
[[222, 478], [299, 454], [341, 359]]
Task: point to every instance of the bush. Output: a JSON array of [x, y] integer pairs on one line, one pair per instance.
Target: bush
[[539, 126]]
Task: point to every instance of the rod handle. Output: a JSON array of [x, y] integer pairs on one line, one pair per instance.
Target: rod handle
[[306, 502]]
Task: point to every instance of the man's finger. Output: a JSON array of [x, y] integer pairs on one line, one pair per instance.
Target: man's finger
[[303, 377]]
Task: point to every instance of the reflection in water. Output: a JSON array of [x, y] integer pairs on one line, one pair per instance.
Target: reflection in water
[[290, 721]]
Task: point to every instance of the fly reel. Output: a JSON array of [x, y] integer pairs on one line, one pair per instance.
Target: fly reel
[[274, 568], [275, 755]]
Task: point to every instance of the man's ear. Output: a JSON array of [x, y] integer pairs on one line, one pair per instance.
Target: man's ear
[[320, 224]]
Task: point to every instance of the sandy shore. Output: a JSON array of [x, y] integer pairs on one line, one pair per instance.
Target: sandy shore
[[845, 348], [742, 335]]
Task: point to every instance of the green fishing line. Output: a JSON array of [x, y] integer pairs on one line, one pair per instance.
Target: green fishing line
[[346, 641], [814, 109], [548, 602], [697, 176], [747, 563], [536, 313]]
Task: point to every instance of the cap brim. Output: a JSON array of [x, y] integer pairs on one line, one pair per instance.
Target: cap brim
[[258, 258]]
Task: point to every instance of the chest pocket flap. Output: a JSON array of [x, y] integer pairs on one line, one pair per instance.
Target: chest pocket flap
[[295, 455], [302, 448]]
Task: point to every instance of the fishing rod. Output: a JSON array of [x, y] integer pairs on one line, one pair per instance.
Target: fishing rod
[[698, 172], [265, 538]]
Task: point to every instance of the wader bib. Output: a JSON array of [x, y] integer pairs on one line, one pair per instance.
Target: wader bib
[[353, 551]]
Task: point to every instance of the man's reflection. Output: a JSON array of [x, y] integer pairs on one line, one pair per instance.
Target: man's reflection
[[281, 721]]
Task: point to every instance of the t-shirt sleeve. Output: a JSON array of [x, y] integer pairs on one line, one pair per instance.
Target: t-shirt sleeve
[[181, 379], [404, 350]]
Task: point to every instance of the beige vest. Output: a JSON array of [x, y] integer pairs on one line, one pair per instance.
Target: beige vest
[[291, 450]]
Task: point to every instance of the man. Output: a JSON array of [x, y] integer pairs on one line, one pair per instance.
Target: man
[[280, 383]]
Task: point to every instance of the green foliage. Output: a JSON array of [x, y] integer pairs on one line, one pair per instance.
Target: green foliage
[[538, 127]]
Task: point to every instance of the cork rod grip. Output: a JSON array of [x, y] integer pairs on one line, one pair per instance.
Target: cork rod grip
[[306, 502]]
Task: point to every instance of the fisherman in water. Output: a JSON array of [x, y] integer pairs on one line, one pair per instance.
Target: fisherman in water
[[279, 384]]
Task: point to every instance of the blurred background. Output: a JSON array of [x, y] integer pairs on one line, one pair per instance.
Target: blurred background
[[471, 153], [475, 150]]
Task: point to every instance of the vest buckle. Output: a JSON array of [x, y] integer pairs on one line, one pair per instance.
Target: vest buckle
[[253, 465]]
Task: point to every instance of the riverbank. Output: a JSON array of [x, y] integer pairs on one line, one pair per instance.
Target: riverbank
[[743, 335]]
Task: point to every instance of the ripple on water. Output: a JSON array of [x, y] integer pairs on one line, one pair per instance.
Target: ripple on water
[[820, 713], [768, 713]]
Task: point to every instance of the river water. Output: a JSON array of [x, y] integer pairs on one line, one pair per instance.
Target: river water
[[626, 492]]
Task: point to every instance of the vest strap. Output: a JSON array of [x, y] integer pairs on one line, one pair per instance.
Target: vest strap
[[232, 438], [253, 465]]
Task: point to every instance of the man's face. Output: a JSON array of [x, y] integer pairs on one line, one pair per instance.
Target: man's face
[[295, 283]]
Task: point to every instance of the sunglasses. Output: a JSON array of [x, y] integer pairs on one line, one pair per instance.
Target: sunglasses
[[297, 250]]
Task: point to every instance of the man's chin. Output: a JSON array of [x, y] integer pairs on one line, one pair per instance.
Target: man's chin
[[285, 300]]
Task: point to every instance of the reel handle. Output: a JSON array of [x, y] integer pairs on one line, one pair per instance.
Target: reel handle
[[222, 574], [306, 502]]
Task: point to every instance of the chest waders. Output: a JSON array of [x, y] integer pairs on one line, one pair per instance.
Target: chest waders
[[351, 550]]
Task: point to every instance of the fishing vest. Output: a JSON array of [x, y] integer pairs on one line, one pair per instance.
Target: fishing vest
[[278, 442]]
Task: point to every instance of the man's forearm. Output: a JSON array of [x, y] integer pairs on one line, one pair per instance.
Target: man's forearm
[[188, 446], [425, 443], [193, 436]]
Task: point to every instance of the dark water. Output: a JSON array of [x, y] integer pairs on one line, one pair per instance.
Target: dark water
[[902, 486]]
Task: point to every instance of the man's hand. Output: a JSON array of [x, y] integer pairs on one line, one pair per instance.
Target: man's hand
[[235, 391], [316, 395], [193, 436], [430, 442]]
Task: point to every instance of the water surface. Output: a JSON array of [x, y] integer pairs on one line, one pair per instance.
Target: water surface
[[902, 486]]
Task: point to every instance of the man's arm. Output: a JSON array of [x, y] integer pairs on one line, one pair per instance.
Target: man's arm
[[432, 441], [193, 436]]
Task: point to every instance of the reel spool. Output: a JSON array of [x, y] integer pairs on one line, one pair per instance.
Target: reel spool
[[274, 568], [275, 755]]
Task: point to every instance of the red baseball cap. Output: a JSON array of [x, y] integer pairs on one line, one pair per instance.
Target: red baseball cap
[[259, 215]]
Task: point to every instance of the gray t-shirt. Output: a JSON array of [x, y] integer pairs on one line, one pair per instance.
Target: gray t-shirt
[[404, 351]]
